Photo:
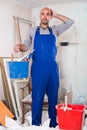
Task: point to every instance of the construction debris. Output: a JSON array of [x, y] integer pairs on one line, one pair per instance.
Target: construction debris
[[4, 111]]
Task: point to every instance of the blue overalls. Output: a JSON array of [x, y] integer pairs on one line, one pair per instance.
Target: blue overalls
[[45, 76]]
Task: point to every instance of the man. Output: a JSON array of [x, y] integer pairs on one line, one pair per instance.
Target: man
[[44, 69]]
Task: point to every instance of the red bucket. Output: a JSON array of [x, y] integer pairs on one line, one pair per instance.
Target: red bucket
[[72, 117]]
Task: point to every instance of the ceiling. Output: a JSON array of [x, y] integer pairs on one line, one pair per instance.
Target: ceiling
[[38, 3]]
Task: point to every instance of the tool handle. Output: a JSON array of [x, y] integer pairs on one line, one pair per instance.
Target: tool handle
[[66, 99], [12, 56]]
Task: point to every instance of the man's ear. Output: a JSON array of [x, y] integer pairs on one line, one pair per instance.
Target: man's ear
[[51, 12]]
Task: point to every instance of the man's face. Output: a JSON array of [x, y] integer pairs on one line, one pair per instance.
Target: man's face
[[45, 16]]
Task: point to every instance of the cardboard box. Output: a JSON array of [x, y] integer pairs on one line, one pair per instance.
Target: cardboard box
[[4, 111]]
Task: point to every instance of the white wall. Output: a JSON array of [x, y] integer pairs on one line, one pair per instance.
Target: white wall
[[72, 59], [7, 37], [9, 9]]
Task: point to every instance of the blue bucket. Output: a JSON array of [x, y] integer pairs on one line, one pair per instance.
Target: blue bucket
[[18, 69]]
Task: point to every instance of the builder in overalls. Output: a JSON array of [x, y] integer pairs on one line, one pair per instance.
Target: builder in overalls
[[44, 69]]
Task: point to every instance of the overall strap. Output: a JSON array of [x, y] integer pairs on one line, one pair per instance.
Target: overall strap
[[38, 29], [49, 28]]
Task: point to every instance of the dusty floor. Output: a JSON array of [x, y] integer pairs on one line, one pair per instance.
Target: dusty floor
[[11, 124]]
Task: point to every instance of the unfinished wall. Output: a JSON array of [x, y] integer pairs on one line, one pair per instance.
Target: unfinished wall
[[9, 9], [72, 59]]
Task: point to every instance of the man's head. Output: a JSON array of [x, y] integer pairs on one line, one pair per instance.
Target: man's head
[[45, 15]]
